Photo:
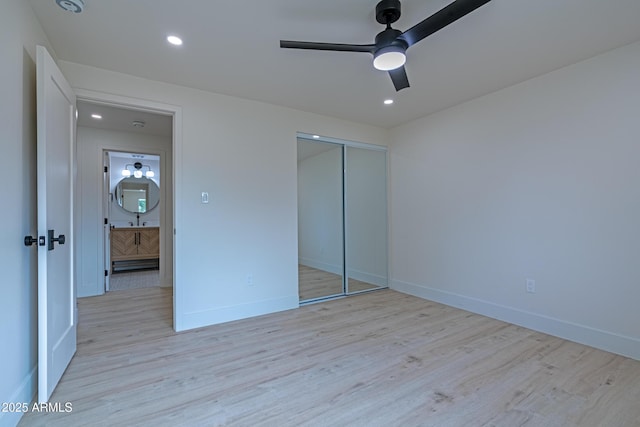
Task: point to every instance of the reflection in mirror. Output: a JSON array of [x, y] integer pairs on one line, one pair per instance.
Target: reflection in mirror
[[320, 229], [366, 219], [137, 195]]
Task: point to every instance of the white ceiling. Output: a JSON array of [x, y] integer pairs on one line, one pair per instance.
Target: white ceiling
[[121, 119], [232, 48]]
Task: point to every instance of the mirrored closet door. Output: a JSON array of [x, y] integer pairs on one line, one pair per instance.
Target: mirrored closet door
[[365, 219], [320, 220], [342, 218]]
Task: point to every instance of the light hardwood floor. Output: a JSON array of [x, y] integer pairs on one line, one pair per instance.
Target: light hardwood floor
[[377, 359]]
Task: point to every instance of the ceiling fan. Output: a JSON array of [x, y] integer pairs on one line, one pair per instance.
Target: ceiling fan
[[390, 45]]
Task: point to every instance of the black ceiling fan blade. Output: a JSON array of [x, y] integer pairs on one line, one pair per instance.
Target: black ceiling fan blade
[[339, 47], [441, 19], [399, 78]]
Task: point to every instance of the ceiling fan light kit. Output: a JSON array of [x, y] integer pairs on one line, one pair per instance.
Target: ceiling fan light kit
[[389, 58], [389, 48]]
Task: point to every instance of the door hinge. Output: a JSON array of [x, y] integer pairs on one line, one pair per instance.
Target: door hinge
[[106, 273], [106, 169], [106, 221]]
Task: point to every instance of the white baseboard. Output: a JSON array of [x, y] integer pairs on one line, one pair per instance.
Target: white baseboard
[[335, 269], [608, 341], [24, 394], [368, 278], [89, 290], [198, 319]]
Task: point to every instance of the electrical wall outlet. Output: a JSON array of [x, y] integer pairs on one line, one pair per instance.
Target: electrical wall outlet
[[249, 279], [531, 286]]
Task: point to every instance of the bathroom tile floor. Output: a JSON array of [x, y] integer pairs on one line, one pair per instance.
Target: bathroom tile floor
[[134, 280]]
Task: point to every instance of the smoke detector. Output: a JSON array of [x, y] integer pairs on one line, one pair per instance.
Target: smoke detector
[[75, 6], [138, 123]]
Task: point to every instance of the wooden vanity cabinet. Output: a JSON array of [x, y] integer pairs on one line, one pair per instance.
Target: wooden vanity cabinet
[[149, 242], [134, 244]]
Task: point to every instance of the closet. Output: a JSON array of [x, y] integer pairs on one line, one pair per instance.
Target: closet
[[342, 217]]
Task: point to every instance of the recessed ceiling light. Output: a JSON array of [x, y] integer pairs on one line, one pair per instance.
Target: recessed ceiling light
[[174, 40], [388, 101], [96, 116], [75, 6]]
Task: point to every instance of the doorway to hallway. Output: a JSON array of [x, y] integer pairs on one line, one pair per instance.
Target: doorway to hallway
[[130, 135]]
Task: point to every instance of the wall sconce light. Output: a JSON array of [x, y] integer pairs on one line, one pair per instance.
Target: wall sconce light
[[136, 170]]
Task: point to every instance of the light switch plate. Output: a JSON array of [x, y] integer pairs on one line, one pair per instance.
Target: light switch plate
[[531, 286], [205, 197]]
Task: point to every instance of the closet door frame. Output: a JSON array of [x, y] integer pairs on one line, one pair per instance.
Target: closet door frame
[[345, 144]]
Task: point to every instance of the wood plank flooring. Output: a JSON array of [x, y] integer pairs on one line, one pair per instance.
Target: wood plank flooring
[[377, 359]]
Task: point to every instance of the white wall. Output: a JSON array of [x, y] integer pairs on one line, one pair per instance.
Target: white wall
[[243, 153], [90, 246], [19, 34], [540, 180], [320, 240]]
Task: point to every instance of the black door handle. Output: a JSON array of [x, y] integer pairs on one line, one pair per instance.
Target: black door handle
[[60, 239], [28, 240]]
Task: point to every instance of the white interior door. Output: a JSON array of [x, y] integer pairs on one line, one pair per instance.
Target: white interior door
[[56, 290]]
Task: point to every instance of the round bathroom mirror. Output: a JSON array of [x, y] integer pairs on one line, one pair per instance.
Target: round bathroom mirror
[[137, 195]]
